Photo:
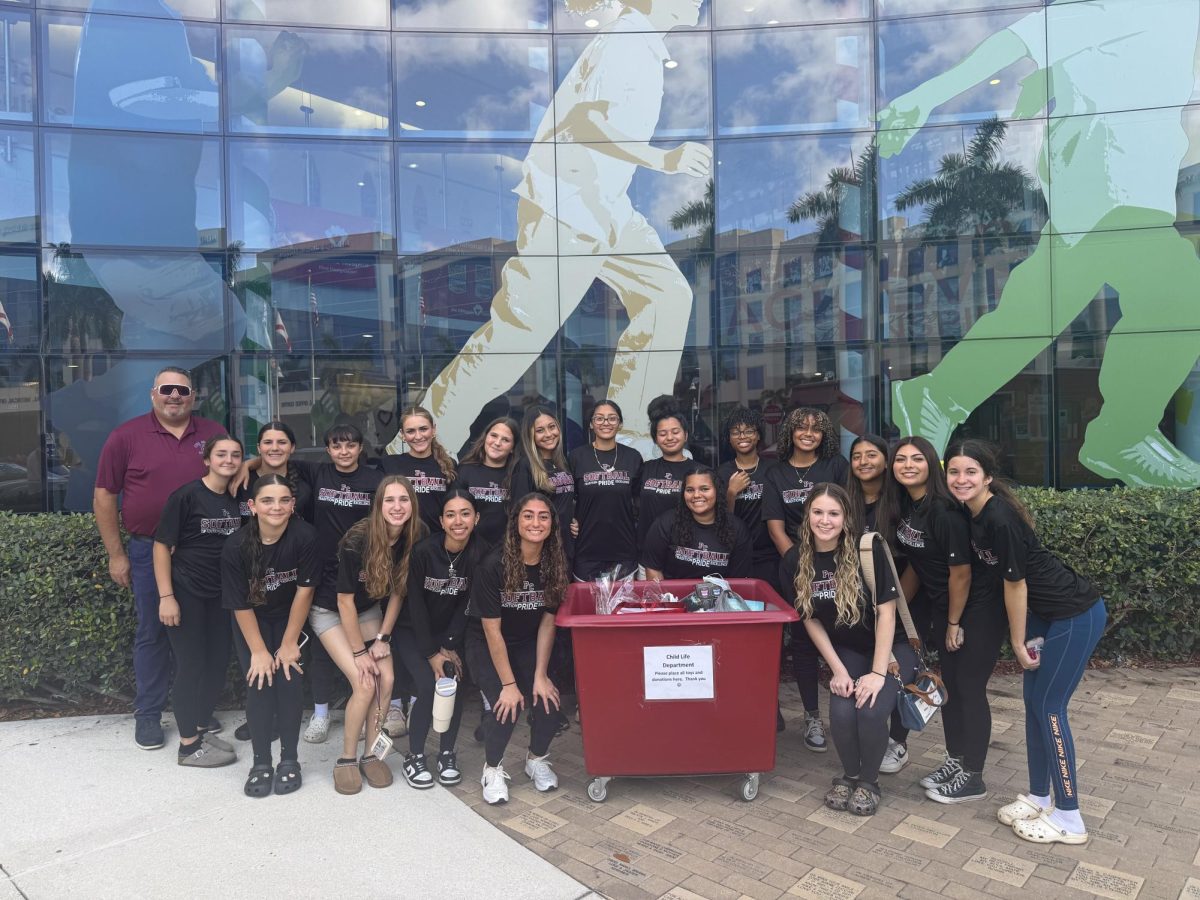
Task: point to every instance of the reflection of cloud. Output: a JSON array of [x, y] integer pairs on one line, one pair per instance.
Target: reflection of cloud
[[430, 54], [482, 15], [492, 113], [661, 196], [787, 12]]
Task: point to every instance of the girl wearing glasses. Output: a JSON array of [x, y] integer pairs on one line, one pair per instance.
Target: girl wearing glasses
[[744, 479], [607, 475]]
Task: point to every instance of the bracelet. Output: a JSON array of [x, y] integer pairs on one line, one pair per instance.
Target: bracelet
[[165, 596], [880, 674], [507, 684], [955, 624], [361, 652]]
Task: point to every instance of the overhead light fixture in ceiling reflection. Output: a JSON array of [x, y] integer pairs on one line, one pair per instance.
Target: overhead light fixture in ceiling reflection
[[671, 64], [368, 335], [420, 103], [362, 184], [412, 165], [772, 21], [591, 23], [748, 9], [358, 112], [994, 81]]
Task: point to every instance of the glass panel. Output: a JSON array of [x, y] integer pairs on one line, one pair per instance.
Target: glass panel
[[680, 87], [780, 189], [20, 304], [347, 13], [739, 13], [1006, 78], [21, 462], [793, 293], [132, 190], [471, 85], [462, 197], [91, 394], [100, 302], [122, 72], [601, 16], [1008, 405], [963, 180], [169, 9], [1187, 186], [16, 65], [310, 195], [793, 79], [308, 82], [938, 291], [922, 7], [470, 15], [837, 378], [18, 177]]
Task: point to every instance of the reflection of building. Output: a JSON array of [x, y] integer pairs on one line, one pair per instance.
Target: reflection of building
[[349, 205]]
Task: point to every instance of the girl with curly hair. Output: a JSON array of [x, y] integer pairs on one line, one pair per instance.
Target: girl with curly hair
[[699, 537], [510, 635], [809, 454], [856, 637], [662, 478]]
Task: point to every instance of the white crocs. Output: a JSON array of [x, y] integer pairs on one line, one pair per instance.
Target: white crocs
[[1020, 809], [1042, 831]]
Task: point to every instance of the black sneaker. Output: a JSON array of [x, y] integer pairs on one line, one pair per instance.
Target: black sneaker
[[148, 733], [416, 773], [447, 768], [963, 787], [943, 773], [214, 726], [242, 732]]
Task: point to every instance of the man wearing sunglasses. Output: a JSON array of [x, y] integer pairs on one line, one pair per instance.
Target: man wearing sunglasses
[[143, 462]]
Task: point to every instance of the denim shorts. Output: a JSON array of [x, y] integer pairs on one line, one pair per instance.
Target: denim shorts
[[321, 619]]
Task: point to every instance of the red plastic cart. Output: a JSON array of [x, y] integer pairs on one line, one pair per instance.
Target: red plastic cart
[[677, 693]]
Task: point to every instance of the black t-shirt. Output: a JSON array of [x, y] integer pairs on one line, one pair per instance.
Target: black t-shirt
[[706, 553], [788, 488], [860, 637], [437, 599], [659, 487], [934, 536], [288, 564], [195, 523], [489, 488], [748, 506], [352, 579], [563, 484], [339, 500], [1009, 549], [604, 493], [428, 481], [520, 612], [869, 513]]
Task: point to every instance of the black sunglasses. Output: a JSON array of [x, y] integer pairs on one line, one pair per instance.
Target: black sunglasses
[[168, 389]]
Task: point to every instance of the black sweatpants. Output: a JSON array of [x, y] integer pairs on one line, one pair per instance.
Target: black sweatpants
[[967, 715], [200, 643], [325, 676], [420, 675], [922, 616], [860, 736], [522, 657], [279, 705]]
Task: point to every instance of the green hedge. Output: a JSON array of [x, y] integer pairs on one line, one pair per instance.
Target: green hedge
[[67, 627]]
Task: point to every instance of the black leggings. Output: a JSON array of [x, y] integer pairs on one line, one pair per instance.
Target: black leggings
[[522, 657], [325, 676], [420, 675], [805, 660], [200, 643], [861, 735], [967, 716], [922, 614], [276, 706]]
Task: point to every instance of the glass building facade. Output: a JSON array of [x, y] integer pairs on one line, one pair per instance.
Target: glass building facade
[[916, 214]]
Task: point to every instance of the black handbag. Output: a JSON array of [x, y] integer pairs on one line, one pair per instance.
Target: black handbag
[[921, 698]]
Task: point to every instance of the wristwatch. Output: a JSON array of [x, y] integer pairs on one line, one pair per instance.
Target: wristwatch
[[385, 638]]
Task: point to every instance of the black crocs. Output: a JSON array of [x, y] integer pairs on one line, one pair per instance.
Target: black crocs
[[259, 782], [287, 776]]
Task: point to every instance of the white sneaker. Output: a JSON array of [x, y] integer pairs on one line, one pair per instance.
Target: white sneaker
[[395, 723], [495, 784], [317, 730], [895, 758], [539, 769]]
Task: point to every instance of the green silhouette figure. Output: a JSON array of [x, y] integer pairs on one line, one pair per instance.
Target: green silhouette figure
[[1111, 171]]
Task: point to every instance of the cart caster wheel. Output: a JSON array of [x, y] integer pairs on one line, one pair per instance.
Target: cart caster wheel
[[749, 788], [597, 789]]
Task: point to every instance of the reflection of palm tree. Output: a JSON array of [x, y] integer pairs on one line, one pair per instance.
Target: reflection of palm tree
[[829, 206], [701, 214], [82, 317]]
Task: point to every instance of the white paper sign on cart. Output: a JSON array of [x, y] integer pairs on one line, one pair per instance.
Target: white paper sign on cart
[[679, 673]]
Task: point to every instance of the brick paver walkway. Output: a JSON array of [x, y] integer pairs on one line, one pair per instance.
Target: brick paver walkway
[[1138, 738]]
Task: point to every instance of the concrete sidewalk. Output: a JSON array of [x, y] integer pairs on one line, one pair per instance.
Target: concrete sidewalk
[[84, 813]]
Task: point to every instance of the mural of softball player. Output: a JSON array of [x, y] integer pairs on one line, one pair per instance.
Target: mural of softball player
[[575, 206], [1110, 171]]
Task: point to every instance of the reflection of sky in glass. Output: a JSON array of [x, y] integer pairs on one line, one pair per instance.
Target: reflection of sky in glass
[[471, 85], [342, 89], [18, 206], [923, 156], [351, 13], [603, 14], [922, 7], [687, 101], [758, 181], [456, 194], [16, 57], [318, 193], [913, 51], [739, 13], [192, 9], [481, 15], [793, 79]]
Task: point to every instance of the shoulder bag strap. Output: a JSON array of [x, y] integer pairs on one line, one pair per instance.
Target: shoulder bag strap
[[866, 547]]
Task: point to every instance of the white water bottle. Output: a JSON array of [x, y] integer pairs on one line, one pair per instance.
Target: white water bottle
[[444, 692]]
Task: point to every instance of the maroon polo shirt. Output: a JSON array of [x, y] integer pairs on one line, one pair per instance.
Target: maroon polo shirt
[[145, 463]]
